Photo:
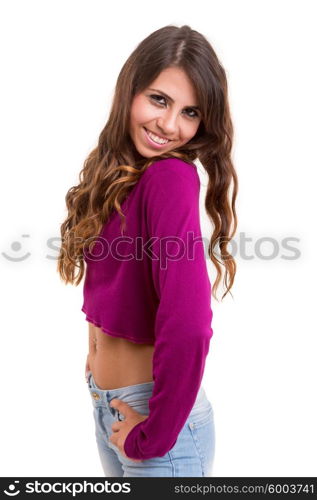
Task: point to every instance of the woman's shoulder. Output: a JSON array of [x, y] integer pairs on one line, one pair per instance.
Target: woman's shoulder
[[168, 178], [171, 168]]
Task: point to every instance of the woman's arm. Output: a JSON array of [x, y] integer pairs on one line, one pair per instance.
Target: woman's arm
[[183, 319]]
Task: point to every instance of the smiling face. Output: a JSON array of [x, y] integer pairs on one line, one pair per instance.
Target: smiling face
[[164, 116]]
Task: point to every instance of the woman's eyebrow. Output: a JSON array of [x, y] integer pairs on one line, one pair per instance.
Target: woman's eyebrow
[[172, 100]]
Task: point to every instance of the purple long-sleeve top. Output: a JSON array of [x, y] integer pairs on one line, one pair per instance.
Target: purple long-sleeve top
[[151, 285]]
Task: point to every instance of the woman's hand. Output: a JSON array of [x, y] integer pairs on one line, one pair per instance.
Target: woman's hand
[[122, 428]]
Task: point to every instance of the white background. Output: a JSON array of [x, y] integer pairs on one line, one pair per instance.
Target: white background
[[59, 64]]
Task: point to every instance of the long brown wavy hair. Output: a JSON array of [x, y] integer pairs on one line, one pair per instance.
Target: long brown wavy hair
[[114, 166]]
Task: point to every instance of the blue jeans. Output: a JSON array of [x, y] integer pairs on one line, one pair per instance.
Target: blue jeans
[[191, 456]]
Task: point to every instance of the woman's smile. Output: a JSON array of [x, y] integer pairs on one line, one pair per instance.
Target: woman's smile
[[154, 139]]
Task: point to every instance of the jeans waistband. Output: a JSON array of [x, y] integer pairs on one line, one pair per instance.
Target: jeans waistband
[[143, 391]]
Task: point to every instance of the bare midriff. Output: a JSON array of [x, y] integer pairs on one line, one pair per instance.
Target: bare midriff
[[116, 362]]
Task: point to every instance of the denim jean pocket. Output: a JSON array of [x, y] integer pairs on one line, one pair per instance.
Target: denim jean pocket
[[139, 402], [202, 430], [201, 419], [139, 405]]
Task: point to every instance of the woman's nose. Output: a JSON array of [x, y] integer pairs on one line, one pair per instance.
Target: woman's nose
[[168, 124]]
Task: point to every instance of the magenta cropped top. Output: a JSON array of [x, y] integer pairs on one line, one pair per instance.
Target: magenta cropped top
[[151, 285]]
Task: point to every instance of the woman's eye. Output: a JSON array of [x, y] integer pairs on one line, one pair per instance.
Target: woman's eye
[[192, 111], [156, 98]]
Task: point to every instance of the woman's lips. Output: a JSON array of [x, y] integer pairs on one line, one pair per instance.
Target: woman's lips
[[151, 142], [158, 135]]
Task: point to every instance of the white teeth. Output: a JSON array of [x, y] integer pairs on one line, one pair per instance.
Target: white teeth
[[157, 139]]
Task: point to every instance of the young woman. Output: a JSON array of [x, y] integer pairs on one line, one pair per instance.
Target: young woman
[[133, 225]]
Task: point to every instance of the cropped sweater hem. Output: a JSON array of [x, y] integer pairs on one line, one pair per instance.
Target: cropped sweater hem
[[116, 334]]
